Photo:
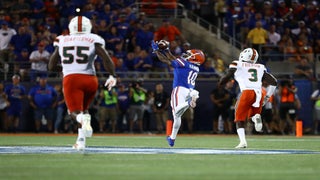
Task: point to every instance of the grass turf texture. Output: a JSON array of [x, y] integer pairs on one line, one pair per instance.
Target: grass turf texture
[[162, 166]]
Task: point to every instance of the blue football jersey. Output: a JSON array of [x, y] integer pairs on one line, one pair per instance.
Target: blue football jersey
[[185, 73]]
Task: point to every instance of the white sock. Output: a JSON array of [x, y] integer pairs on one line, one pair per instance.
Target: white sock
[[242, 135], [80, 133], [175, 127]]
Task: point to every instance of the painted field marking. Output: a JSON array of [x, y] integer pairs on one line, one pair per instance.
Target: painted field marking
[[139, 150]]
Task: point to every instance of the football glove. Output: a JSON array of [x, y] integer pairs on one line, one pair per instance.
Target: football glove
[[110, 82], [154, 46]]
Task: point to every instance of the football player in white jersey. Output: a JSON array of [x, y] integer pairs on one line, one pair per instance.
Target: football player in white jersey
[[186, 69], [249, 76], [76, 53]]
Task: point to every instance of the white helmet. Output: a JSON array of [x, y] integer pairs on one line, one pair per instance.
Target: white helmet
[[80, 24], [249, 55]]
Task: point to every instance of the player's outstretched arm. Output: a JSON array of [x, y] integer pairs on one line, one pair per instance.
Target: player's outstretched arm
[[162, 57], [227, 77], [269, 78], [53, 64], [107, 64]]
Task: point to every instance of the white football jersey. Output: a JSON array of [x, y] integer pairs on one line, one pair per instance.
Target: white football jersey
[[248, 75], [77, 52]]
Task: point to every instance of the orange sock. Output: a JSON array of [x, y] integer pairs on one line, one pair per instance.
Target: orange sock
[[169, 127]]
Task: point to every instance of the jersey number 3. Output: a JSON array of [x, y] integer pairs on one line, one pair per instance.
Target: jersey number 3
[[80, 52], [254, 75]]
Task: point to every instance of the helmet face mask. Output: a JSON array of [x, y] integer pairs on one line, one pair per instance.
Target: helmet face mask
[[80, 25], [249, 55], [194, 56]]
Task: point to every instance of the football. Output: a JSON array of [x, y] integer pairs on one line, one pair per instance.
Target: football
[[163, 44]]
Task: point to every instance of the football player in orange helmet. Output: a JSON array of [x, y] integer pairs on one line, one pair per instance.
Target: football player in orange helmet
[[183, 96]]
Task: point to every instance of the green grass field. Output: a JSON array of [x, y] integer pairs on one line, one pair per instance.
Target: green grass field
[[168, 166]]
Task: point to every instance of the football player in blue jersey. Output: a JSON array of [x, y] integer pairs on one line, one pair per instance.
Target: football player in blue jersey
[[186, 69]]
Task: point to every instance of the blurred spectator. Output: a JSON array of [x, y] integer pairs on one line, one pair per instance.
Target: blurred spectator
[[52, 27], [137, 96], [315, 97], [51, 8], [121, 69], [271, 49], [298, 10], [218, 64], [123, 107], [15, 93], [129, 61], [220, 9], [103, 28], [21, 40], [242, 22], [4, 103], [185, 46], [122, 26], [22, 64], [273, 36], [113, 38], [282, 10], [107, 14], [37, 14], [108, 109], [66, 9], [60, 108], [6, 55], [219, 97], [312, 12], [143, 63], [43, 98], [267, 111], [39, 61], [148, 115], [144, 36], [130, 15], [257, 37], [168, 32], [289, 104], [160, 107], [175, 48], [289, 50], [207, 70], [302, 28], [304, 69], [20, 8], [268, 13]]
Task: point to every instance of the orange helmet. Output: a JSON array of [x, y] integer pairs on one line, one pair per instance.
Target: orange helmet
[[195, 56]]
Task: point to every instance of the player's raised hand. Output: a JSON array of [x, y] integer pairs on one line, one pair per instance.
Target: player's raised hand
[[154, 46], [110, 82]]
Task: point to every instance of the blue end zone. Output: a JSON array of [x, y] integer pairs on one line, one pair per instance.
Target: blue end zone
[[139, 150]]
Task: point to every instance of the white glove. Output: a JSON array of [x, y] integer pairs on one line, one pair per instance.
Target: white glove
[[265, 100], [110, 82]]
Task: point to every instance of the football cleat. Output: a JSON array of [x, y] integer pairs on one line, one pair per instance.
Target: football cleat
[[170, 141], [80, 144], [256, 119], [241, 146]]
